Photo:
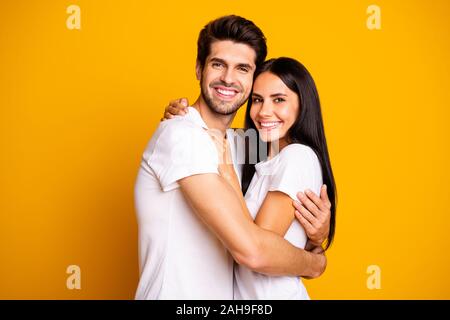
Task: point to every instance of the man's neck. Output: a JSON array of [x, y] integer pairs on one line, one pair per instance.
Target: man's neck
[[212, 119]]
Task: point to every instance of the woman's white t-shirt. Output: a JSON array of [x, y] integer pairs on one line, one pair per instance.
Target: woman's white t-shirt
[[294, 169]]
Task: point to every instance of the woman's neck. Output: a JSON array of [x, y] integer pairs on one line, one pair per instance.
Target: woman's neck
[[276, 146]]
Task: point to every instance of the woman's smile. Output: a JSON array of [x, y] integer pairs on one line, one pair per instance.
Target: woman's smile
[[269, 125]]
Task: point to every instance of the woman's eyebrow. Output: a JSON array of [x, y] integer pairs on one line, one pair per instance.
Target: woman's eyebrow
[[272, 95], [278, 94]]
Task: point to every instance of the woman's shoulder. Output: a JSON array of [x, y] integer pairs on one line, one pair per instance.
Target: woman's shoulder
[[297, 168], [298, 152]]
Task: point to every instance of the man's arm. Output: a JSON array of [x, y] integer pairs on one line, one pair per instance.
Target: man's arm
[[216, 203], [277, 211], [313, 212]]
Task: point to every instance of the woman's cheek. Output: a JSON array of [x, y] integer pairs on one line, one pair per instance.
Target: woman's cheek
[[284, 113], [253, 112]]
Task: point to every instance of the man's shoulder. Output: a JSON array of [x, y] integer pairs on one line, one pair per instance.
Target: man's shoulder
[[179, 123], [178, 129], [180, 148], [179, 135]]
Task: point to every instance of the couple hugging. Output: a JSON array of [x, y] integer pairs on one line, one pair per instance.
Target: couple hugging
[[236, 215]]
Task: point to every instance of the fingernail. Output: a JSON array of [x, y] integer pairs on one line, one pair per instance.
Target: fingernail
[[297, 202], [184, 102], [325, 186], [302, 195], [307, 191]]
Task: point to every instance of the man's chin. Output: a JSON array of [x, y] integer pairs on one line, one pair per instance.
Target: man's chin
[[224, 109]]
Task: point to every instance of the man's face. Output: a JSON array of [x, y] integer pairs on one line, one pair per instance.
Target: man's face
[[227, 76]]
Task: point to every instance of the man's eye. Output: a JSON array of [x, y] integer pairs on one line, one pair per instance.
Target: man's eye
[[243, 69], [217, 64]]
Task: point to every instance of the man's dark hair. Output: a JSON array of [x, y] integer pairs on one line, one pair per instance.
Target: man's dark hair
[[236, 29]]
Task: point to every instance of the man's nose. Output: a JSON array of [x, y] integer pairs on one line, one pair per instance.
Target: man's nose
[[227, 76]]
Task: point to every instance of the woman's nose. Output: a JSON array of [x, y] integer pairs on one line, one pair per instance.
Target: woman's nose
[[266, 109]]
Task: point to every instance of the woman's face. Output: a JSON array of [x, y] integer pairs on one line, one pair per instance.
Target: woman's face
[[274, 108]]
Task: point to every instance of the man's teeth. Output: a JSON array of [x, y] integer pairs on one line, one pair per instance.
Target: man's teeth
[[269, 124], [226, 92]]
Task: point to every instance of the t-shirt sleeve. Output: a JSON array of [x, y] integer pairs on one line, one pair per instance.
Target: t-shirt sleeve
[[182, 150], [297, 169]]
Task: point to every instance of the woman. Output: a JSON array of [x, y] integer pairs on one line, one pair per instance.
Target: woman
[[284, 110]]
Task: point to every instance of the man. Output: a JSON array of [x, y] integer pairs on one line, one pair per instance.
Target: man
[[191, 222]]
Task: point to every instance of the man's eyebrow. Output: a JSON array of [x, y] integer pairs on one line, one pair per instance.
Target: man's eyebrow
[[241, 65], [245, 65], [218, 60]]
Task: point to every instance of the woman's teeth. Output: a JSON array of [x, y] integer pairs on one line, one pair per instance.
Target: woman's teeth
[[269, 125]]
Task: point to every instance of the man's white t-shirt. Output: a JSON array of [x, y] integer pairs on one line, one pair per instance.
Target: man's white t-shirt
[[179, 257], [294, 169]]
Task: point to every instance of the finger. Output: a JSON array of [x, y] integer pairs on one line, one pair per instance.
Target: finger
[[316, 200], [324, 196], [167, 115], [184, 102], [176, 109], [308, 216], [167, 108], [305, 223], [182, 106], [173, 101], [308, 204]]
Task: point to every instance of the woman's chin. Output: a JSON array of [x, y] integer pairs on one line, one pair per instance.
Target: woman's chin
[[267, 137]]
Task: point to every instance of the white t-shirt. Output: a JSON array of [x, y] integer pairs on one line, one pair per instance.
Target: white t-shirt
[[294, 169], [179, 257]]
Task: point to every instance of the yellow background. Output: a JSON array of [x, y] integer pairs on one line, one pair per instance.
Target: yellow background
[[77, 108]]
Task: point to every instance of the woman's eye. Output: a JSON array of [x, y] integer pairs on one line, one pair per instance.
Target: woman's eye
[[278, 100], [256, 100]]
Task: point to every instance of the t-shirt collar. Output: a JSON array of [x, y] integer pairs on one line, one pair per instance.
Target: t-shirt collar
[[195, 116]]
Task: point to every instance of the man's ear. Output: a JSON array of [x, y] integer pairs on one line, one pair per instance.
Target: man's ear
[[198, 70]]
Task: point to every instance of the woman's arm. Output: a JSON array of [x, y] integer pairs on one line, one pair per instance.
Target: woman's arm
[[275, 214]]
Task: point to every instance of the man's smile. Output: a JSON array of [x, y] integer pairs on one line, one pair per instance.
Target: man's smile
[[225, 93]]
